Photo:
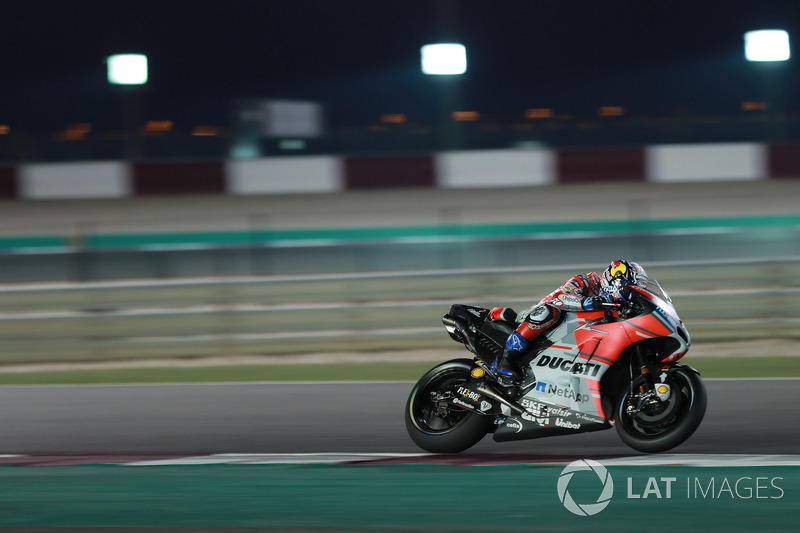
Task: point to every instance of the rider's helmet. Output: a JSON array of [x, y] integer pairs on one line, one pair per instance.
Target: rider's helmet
[[620, 274]]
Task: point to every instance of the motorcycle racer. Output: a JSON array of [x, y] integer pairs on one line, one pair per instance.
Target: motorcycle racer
[[583, 292]]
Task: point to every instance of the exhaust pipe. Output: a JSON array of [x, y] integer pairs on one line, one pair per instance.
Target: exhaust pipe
[[516, 408]]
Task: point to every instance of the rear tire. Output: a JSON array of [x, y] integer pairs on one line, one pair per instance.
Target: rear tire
[[438, 430], [670, 424]]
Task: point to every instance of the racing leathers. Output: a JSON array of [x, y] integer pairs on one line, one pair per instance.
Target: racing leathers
[[579, 293]]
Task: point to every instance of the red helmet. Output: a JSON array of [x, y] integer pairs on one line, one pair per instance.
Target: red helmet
[[621, 273]]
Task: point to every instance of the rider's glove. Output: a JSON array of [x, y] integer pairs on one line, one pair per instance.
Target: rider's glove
[[593, 303]]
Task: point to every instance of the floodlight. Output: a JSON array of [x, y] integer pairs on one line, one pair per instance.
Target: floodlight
[[127, 69], [766, 45], [444, 59]]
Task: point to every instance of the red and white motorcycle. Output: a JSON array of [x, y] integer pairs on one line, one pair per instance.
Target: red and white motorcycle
[[618, 366]]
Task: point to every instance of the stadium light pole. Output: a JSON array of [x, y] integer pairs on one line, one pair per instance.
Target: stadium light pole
[[129, 72], [446, 62], [768, 50]]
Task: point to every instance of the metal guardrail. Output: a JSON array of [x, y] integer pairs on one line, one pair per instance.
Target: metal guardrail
[[68, 322]]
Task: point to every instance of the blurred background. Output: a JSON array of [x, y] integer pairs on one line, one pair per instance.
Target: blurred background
[[263, 78], [279, 159]]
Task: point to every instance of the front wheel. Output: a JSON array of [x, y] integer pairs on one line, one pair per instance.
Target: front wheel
[[435, 425], [653, 426]]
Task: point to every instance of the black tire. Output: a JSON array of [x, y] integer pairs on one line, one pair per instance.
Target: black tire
[[673, 422], [455, 431]]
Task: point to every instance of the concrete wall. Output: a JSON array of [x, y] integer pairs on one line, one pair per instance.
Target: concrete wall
[[473, 169], [74, 180], [717, 162]]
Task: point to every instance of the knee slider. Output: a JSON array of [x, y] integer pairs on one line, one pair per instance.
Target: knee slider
[[541, 314]]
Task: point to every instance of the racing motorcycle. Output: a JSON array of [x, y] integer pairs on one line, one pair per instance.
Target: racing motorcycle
[[618, 366]]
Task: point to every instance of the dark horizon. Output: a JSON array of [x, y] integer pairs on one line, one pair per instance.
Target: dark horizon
[[361, 58]]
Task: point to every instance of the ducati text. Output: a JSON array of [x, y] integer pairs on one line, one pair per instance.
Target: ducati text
[[586, 369]]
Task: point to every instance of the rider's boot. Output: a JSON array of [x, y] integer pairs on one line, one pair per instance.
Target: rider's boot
[[534, 323], [507, 368]]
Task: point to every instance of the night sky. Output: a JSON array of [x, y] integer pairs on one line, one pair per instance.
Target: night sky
[[361, 57]]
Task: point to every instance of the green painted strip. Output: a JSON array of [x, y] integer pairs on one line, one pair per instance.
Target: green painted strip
[[408, 497], [516, 230], [37, 241]]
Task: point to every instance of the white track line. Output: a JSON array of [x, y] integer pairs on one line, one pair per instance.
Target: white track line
[[705, 460], [273, 458], [688, 460]]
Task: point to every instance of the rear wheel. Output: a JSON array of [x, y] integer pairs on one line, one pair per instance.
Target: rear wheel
[[435, 425], [654, 426]]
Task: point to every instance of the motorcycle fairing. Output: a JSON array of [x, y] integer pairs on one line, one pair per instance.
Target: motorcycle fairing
[[567, 374], [544, 420]]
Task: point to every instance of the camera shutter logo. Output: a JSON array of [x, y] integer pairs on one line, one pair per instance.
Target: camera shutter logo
[[587, 509]]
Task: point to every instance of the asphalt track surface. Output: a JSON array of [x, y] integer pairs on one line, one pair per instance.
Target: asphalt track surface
[[744, 416]]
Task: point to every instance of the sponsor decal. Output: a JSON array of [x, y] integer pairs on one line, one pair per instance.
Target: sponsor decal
[[545, 410], [563, 392], [560, 422], [536, 326], [514, 424], [586, 369], [667, 317], [474, 312], [477, 373], [541, 421], [462, 403], [557, 411], [571, 301], [618, 268], [663, 391], [586, 417], [537, 412], [466, 393], [537, 408], [485, 406]]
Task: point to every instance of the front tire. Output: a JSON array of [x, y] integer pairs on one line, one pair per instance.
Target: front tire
[[436, 428], [661, 428]]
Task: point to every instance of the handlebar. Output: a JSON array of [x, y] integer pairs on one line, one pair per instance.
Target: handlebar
[[626, 308]]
